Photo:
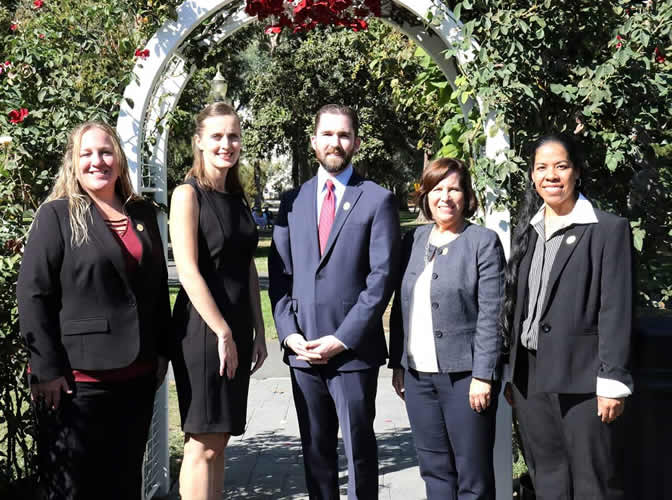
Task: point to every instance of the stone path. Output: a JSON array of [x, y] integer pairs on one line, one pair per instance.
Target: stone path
[[266, 462]]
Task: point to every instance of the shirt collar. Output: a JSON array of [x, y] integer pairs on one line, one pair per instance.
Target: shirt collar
[[582, 213], [342, 178]]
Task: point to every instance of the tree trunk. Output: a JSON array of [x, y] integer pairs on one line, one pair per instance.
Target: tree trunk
[[257, 183]]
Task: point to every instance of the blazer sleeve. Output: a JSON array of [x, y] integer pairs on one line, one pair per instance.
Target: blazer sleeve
[[384, 250], [38, 294], [397, 337], [280, 275], [166, 341], [487, 341], [615, 316]]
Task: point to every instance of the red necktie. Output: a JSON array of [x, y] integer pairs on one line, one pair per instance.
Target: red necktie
[[326, 215]]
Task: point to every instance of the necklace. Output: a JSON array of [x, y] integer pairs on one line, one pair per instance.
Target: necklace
[[440, 240]]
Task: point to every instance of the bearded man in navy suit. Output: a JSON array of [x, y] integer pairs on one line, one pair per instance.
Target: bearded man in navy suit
[[333, 266]]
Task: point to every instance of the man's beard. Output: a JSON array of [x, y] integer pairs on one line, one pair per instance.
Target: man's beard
[[334, 164]]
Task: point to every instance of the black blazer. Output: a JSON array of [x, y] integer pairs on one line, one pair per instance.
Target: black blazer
[[78, 306], [585, 328]]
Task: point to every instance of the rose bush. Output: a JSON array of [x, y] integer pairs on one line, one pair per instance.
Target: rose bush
[[66, 62]]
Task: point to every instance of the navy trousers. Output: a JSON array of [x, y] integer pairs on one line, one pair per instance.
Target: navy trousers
[[92, 447], [454, 443], [325, 398], [570, 452]]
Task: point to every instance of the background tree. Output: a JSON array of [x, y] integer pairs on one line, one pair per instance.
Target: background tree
[[599, 70]]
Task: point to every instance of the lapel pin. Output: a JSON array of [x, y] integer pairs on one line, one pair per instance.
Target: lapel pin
[[444, 251], [346, 205], [140, 227], [570, 239]]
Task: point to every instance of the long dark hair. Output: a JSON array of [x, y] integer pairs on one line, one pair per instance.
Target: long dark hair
[[520, 238]]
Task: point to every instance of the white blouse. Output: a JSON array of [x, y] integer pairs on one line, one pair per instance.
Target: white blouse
[[420, 346]]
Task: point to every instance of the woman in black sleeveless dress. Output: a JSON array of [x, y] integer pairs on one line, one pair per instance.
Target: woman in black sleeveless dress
[[218, 307]]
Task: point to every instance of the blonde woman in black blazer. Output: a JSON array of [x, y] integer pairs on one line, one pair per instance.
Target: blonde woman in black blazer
[[444, 343], [568, 310], [94, 312]]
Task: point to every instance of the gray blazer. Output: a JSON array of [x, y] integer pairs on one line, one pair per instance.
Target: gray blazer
[[466, 291]]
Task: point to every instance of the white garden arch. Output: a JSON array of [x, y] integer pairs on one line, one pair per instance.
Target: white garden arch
[[157, 84]]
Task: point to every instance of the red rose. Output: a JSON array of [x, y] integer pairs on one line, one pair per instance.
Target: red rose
[[13, 26], [272, 29], [38, 4], [660, 58], [142, 54], [373, 6], [41, 36], [18, 115]]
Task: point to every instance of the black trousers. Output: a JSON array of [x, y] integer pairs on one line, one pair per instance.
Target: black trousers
[[570, 452], [325, 398], [92, 447], [454, 443]]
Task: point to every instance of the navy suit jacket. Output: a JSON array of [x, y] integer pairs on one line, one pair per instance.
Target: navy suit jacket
[[345, 291]]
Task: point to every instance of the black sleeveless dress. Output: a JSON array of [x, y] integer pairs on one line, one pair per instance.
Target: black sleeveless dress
[[227, 239]]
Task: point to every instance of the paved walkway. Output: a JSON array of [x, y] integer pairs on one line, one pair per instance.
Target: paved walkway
[[266, 462]]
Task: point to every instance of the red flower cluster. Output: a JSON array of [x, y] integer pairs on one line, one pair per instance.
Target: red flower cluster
[[660, 58], [619, 44], [38, 4], [18, 115], [5, 66], [142, 54], [304, 15], [13, 26]]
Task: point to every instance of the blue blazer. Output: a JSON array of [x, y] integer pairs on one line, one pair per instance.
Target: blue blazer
[[345, 291], [466, 291]]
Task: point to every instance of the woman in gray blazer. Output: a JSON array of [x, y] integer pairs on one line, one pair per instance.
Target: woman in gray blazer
[[444, 342]]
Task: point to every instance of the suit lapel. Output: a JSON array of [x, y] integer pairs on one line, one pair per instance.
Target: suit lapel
[[306, 203], [345, 207], [523, 273], [138, 225], [106, 243], [570, 240]]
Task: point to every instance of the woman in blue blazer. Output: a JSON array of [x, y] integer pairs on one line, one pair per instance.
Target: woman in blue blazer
[[94, 312], [568, 312], [444, 342]]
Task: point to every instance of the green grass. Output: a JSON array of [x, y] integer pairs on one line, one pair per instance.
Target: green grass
[[408, 220], [261, 255], [175, 434]]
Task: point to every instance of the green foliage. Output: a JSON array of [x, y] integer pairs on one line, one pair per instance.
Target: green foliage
[[598, 69], [69, 61], [300, 73]]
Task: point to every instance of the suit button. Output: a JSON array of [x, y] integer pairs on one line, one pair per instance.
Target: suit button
[[435, 305], [434, 276], [438, 334], [546, 327]]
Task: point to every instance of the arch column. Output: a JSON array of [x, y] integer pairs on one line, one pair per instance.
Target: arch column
[[154, 92]]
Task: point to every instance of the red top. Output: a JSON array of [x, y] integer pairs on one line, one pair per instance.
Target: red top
[[132, 249]]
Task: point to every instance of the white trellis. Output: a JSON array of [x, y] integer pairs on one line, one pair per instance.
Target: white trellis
[[155, 90]]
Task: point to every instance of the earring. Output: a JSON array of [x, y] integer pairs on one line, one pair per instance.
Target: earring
[[578, 182]]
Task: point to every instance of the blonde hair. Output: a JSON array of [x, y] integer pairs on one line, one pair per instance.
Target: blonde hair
[[67, 185], [197, 170]]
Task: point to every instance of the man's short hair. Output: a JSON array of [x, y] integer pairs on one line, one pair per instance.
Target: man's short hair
[[338, 109]]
